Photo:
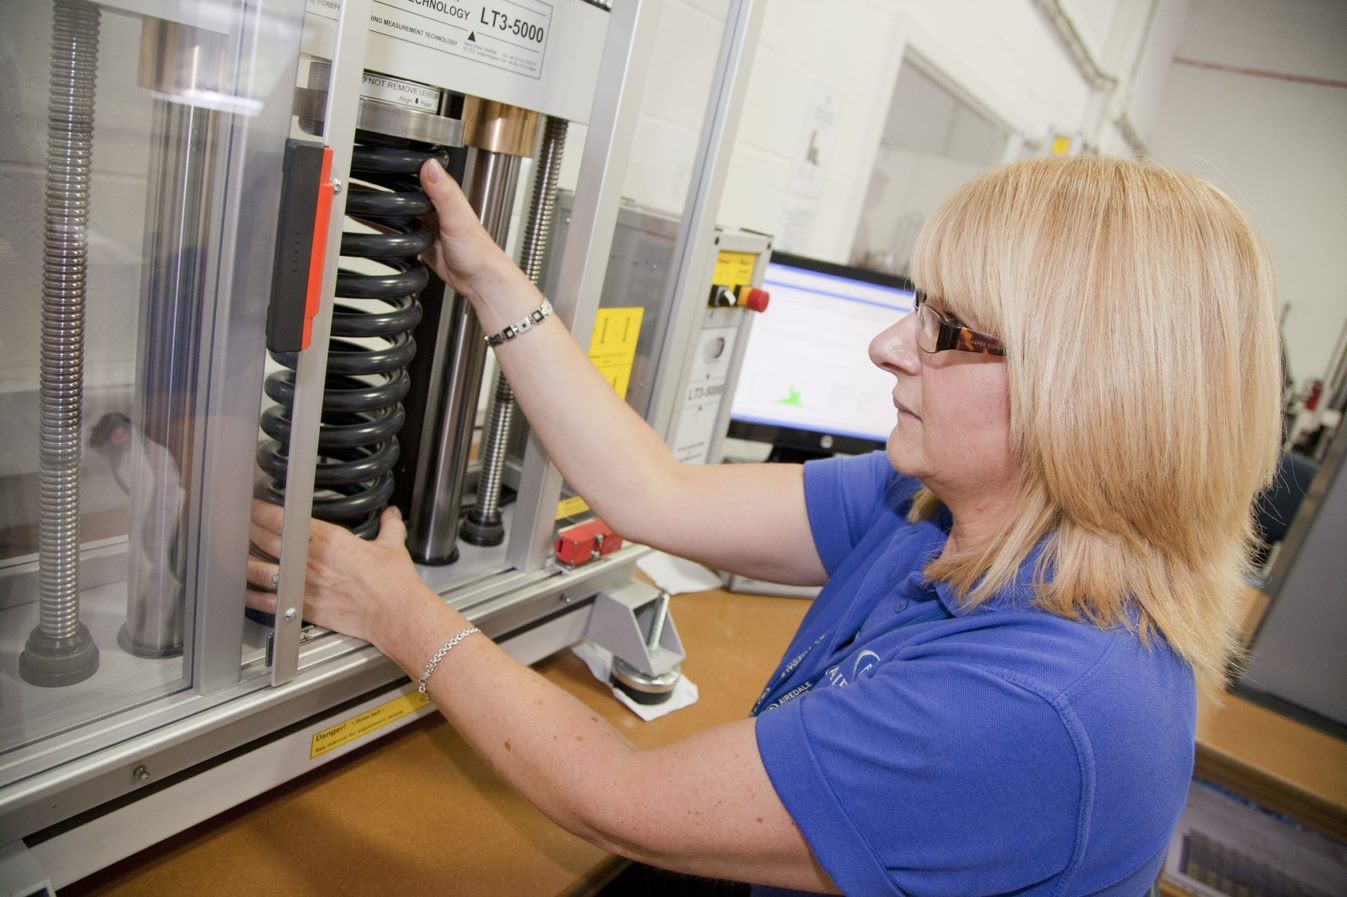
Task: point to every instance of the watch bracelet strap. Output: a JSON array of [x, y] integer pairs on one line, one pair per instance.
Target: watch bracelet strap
[[510, 331]]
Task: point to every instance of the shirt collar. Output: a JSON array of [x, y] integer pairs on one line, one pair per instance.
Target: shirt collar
[[1018, 593]]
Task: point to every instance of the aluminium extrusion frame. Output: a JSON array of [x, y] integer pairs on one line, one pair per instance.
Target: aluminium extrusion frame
[[138, 751], [154, 749], [697, 236], [348, 65], [583, 261], [603, 168]]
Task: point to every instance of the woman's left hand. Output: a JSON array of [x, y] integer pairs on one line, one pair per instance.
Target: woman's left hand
[[352, 585]]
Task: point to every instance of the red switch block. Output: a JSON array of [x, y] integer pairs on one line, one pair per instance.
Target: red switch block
[[583, 542]]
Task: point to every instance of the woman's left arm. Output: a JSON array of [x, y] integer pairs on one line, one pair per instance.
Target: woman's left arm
[[703, 805]]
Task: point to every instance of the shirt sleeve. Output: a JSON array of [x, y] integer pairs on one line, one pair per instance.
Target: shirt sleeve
[[930, 778], [843, 495]]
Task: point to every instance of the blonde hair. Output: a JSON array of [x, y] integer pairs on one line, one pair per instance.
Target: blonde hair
[[1137, 305]]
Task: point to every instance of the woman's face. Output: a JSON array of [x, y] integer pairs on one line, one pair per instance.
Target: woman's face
[[953, 415]]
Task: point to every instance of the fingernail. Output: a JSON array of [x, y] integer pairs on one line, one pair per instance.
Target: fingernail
[[397, 512], [432, 170]]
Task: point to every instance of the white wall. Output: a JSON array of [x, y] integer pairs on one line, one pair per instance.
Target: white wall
[[1001, 54], [822, 77], [1278, 146], [828, 69], [1136, 49]]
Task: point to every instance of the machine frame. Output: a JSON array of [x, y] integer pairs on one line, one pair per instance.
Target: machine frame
[[72, 804]]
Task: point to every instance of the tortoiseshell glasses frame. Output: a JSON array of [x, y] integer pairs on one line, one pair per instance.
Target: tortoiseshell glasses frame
[[938, 333]]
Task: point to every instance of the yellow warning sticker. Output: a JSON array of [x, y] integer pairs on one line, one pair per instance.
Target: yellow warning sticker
[[366, 723], [569, 507], [734, 270], [612, 349]]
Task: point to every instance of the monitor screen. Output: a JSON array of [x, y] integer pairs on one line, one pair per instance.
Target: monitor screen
[[807, 385]]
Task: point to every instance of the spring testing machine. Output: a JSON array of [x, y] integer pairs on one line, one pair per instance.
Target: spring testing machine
[[267, 327]]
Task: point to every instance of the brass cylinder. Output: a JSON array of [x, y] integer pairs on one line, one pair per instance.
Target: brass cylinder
[[501, 128]]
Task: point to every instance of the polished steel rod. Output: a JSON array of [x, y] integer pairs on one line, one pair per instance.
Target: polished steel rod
[[482, 524], [460, 354]]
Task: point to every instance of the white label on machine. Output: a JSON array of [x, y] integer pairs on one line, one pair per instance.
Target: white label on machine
[[705, 394], [399, 92], [505, 34]]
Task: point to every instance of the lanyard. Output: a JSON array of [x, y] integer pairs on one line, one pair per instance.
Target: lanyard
[[762, 706]]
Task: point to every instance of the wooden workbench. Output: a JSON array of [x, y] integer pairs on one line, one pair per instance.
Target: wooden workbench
[[417, 813], [1275, 761]]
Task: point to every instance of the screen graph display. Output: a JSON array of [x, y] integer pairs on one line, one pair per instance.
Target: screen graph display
[[807, 367]]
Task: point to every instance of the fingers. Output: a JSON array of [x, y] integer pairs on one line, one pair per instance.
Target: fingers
[[444, 192], [263, 601], [265, 529], [392, 531], [265, 540], [464, 255], [321, 529], [262, 575], [268, 516]]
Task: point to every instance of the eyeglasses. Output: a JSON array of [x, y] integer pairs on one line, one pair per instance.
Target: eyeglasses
[[938, 333]]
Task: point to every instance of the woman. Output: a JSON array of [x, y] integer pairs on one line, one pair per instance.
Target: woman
[[995, 692]]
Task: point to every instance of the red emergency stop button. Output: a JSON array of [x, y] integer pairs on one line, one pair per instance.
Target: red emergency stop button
[[754, 299]]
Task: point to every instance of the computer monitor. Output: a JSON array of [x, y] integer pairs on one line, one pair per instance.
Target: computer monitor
[[807, 386]]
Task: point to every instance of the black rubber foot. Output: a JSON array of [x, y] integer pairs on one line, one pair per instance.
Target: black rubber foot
[[642, 688], [481, 533], [640, 697], [54, 662]]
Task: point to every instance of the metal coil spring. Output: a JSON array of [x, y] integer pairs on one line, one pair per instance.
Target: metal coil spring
[[370, 347], [70, 123]]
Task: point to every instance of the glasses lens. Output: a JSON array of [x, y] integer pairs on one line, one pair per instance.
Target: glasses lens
[[928, 328]]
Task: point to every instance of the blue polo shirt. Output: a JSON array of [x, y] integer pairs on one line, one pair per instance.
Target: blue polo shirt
[[922, 749]]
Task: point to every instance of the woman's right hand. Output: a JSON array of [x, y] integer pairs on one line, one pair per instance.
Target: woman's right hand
[[464, 255]]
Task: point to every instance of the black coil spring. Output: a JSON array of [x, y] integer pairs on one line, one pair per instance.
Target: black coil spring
[[370, 347]]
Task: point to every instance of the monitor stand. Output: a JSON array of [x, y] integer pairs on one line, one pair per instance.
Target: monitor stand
[[783, 455]]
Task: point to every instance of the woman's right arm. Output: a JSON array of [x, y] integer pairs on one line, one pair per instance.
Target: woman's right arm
[[750, 519]]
